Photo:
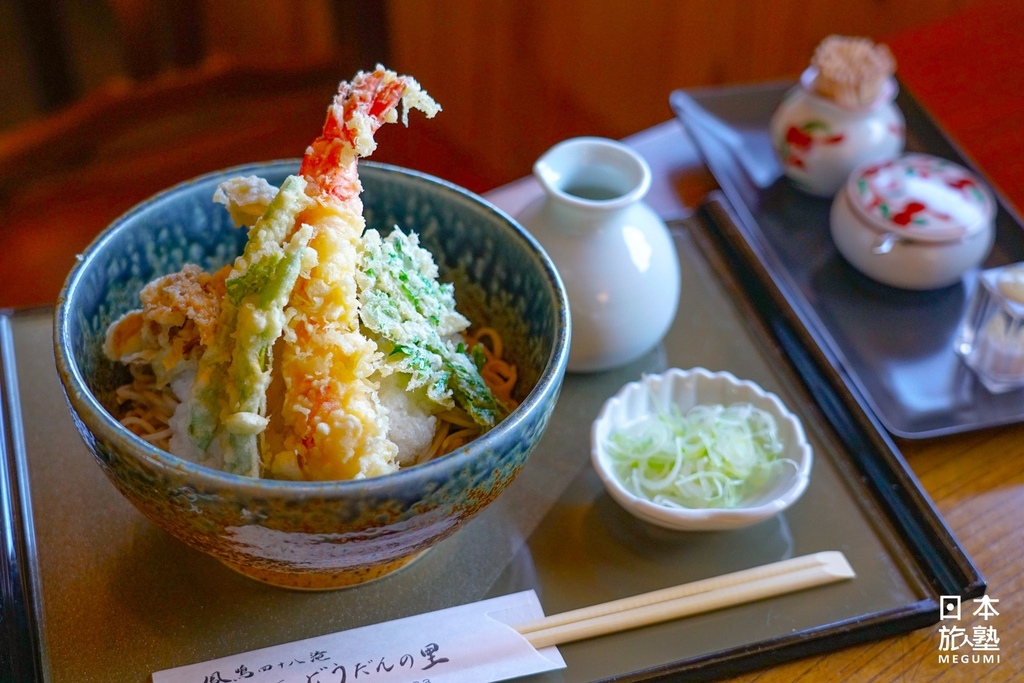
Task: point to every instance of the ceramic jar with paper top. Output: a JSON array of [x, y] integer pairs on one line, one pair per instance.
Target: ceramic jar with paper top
[[916, 222], [614, 253], [819, 143]]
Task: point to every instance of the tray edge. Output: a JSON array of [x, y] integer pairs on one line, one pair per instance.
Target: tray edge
[[915, 114], [21, 658], [892, 479]]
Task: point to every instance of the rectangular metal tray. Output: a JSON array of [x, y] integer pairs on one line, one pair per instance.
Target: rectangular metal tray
[[896, 346], [93, 591]]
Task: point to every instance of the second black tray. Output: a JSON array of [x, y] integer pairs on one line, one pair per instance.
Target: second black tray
[[895, 345]]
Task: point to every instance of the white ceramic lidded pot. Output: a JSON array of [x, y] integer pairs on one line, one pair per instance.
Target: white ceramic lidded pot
[[819, 142], [916, 222], [614, 253]]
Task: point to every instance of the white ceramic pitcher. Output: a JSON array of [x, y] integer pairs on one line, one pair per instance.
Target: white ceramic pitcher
[[615, 255]]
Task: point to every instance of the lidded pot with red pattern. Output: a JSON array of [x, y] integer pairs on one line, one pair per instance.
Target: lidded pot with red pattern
[[914, 222]]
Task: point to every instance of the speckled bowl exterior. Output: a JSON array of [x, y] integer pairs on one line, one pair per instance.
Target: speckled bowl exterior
[[317, 535]]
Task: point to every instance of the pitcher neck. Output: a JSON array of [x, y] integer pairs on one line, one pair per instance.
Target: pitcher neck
[[593, 174]]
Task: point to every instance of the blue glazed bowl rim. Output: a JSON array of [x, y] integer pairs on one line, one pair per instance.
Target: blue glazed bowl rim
[[99, 421]]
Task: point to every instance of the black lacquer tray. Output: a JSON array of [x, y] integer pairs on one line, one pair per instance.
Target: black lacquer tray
[[895, 346], [92, 591]]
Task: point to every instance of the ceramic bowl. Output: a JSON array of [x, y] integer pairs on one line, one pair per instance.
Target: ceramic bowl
[[916, 222], [316, 535], [685, 389]]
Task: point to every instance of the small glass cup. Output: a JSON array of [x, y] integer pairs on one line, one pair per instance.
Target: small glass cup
[[991, 336]]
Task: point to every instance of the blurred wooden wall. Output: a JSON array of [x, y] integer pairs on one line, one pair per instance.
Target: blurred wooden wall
[[516, 76], [157, 91]]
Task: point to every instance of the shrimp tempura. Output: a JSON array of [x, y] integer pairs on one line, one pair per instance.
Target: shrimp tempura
[[285, 381], [332, 423]]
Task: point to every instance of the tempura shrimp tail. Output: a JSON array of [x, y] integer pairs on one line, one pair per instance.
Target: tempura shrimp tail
[[334, 426], [359, 109]]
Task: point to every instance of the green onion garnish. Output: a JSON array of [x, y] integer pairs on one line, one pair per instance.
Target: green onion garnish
[[713, 456]]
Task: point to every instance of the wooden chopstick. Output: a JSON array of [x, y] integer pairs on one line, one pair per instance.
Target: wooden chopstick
[[706, 595]]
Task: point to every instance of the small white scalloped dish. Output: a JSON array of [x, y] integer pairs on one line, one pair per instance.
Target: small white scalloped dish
[[685, 389]]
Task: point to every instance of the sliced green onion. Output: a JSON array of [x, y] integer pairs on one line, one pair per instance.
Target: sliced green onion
[[713, 456]]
